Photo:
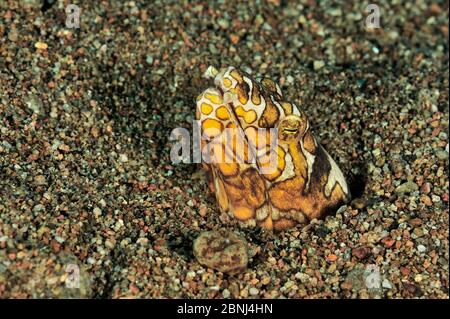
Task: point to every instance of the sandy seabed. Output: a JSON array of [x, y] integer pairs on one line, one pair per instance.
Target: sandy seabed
[[86, 180]]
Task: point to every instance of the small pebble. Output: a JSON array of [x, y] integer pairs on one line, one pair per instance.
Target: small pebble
[[253, 291], [226, 293], [222, 250], [407, 187], [318, 65], [421, 248]]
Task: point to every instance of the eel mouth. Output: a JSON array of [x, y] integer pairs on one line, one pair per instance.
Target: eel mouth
[[290, 130]]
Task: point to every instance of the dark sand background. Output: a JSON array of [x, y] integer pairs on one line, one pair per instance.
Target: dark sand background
[[85, 173]]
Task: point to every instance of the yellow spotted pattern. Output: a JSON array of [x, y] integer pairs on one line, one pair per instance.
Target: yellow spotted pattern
[[248, 116], [222, 113], [206, 108]]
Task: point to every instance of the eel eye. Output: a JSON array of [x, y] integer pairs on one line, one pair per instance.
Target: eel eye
[[291, 127]]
